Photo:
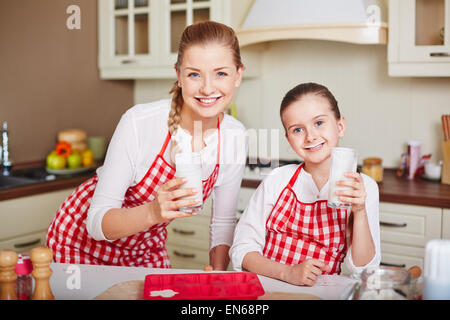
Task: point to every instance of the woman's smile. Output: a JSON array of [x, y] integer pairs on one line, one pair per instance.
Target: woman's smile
[[209, 101]]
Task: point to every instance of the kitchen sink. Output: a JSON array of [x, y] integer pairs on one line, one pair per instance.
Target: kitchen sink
[[21, 177], [34, 173], [10, 181]]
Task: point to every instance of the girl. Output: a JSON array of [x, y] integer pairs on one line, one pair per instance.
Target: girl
[[119, 217], [287, 231]]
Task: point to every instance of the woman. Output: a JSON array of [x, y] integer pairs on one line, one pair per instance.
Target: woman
[[119, 217]]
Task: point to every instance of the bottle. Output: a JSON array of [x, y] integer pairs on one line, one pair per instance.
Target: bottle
[[372, 167], [436, 284], [413, 157], [24, 283]]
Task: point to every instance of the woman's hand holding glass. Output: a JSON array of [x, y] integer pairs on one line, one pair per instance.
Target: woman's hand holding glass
[[169, 199]]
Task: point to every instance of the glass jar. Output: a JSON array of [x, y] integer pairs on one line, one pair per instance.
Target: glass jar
[[385, 283], [372, 167]]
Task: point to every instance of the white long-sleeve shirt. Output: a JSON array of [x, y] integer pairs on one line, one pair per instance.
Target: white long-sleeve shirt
[[136, 142], [250, 233]]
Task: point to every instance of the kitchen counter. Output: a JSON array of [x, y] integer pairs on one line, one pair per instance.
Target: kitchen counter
[[95, 279], [392, 189], [57, 182], [399, 190]]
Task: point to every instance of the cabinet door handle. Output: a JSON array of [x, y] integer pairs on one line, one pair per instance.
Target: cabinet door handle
[[184, 255], [400, 265], [392, 224], [440, 54], [184, 232], [128, 61], [27, 244]]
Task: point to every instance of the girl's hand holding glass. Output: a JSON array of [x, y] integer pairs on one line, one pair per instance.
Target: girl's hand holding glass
[[168, 200], [356, 196]]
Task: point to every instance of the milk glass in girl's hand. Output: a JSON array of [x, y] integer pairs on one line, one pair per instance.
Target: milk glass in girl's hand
[[342, 160], [189, 166]]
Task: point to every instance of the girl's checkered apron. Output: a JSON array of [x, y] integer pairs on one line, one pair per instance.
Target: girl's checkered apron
[[68, 238], [297, 231]]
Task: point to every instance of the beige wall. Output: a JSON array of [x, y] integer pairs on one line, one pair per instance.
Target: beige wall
[[382, 113], [49, 78]]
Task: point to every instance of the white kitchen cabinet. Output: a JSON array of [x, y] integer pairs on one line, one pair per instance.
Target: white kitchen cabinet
[[139, 38], [188, 238], [419, 38], [24, 221], [405, 231], [446, 224]]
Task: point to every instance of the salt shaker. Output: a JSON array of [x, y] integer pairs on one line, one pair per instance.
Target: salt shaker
[[436, 283], [24, 284]]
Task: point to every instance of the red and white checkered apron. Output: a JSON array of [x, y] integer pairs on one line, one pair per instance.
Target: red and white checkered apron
[[70, 242], [297, 231]]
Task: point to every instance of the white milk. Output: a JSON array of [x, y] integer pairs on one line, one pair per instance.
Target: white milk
[[189, 166], [342, 160]]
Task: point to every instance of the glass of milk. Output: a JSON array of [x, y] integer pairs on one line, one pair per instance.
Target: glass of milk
[[189, 166], [342, 160]]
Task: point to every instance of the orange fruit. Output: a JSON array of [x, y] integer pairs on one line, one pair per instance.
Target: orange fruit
[[87, 157]]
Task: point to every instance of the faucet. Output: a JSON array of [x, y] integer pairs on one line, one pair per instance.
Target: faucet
[[6, 162]]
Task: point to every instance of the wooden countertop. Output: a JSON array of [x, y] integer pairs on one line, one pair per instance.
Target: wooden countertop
[[401, 190]]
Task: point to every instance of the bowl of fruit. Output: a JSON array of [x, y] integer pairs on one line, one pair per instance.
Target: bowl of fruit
[[70, 155]]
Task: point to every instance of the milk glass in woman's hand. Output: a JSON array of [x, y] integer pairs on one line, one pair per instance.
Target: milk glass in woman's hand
[[189, 166], [342, 160]]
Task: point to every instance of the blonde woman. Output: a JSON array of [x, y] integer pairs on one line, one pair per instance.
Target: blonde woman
[[119, 216]]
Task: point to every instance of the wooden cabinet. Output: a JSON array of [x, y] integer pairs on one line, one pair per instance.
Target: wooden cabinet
[[419, 38], [139, 38], [25, 220]]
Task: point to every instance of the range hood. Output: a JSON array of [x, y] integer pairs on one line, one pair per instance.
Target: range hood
[[353, 21]]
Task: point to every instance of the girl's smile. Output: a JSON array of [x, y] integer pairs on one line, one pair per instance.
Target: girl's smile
[[316, 147]]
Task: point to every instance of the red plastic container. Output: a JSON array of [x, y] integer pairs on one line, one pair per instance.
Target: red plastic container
[[203, 286]]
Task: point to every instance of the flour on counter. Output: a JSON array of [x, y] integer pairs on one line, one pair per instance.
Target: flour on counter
[[332, 280]]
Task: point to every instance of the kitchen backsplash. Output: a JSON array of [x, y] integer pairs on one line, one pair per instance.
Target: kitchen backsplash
[[49, 79], [382, 113]]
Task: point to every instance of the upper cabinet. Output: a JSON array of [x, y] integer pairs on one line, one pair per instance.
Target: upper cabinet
[[139, 38], [419, 38]]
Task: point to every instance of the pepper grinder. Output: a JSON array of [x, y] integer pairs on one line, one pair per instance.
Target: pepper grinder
[[8, 260], [41, 258]]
